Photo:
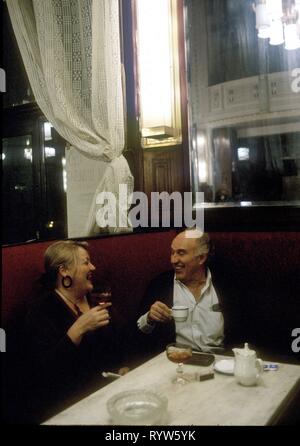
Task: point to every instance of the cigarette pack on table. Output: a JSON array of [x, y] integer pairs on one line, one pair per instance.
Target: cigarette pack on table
[[203, 376]]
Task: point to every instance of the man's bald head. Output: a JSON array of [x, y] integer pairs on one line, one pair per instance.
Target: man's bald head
[[189, 251], [199, 239]]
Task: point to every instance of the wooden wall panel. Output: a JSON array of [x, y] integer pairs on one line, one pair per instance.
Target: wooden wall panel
[[163, 170]]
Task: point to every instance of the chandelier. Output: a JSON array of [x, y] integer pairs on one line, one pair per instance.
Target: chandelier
[[279, 21]]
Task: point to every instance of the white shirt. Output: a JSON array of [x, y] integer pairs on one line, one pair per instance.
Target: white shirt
[[204, 327]]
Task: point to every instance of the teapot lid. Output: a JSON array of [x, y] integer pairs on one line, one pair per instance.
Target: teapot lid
[[246, 351]]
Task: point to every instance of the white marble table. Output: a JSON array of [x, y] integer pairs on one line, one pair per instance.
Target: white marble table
[[218, 401]]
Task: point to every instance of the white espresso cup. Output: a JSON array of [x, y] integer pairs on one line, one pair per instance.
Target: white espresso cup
[[180, 313]]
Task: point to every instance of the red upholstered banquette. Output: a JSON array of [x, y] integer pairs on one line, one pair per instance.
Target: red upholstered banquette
[[266, 265]]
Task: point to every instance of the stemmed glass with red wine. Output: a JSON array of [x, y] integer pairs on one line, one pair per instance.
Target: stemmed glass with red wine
[[179, 354], [101, 293]]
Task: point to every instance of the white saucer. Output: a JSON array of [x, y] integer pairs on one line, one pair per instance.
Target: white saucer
[[225, 366]]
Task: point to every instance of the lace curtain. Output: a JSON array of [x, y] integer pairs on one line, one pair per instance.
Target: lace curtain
[[71, 52]]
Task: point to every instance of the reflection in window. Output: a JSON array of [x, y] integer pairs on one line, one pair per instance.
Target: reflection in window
[[47, 131], [243, 153], [49, 152], [272, 170], [34, 186], [63, 161], [55, 196], [28, 154], [17, 180]]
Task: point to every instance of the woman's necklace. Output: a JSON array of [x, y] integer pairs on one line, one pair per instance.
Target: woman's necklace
[[76, 309]]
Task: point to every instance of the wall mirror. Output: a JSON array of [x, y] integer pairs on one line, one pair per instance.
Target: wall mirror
[[243, 61]]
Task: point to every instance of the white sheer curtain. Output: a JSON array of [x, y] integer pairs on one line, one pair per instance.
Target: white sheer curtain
[[71, 52]]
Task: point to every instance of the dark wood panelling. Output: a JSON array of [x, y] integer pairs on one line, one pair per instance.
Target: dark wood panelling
[[163, 170], [158, 169], [222, 153]]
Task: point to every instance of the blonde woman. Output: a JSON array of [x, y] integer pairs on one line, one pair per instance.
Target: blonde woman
[[69, 340]]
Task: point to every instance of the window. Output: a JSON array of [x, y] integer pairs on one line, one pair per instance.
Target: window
[[33, 157], [33, 181]]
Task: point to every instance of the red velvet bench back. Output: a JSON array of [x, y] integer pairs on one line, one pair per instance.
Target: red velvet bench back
[[266, 264]]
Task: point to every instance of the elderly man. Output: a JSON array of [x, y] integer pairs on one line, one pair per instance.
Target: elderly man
[[191, 286]]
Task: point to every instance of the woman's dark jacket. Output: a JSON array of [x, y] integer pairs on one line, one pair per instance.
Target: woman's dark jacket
[[57, 370]]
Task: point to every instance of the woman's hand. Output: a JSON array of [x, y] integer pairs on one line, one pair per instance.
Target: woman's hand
[[93, 319], [159, 312]]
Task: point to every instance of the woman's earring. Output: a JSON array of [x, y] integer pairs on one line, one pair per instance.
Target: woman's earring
[[67, 281]]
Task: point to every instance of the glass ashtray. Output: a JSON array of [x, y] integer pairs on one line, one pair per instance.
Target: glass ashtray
[[137, 407]]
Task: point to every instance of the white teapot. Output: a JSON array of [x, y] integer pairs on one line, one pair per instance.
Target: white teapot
[[247, 368]]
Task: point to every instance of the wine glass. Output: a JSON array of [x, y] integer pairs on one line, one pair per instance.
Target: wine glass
[[101, 293], [179, 354]]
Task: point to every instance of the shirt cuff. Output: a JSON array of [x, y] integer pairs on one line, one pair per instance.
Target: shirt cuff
[[143, 324]]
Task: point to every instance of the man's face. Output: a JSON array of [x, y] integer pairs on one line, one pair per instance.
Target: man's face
[[185, 259]]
